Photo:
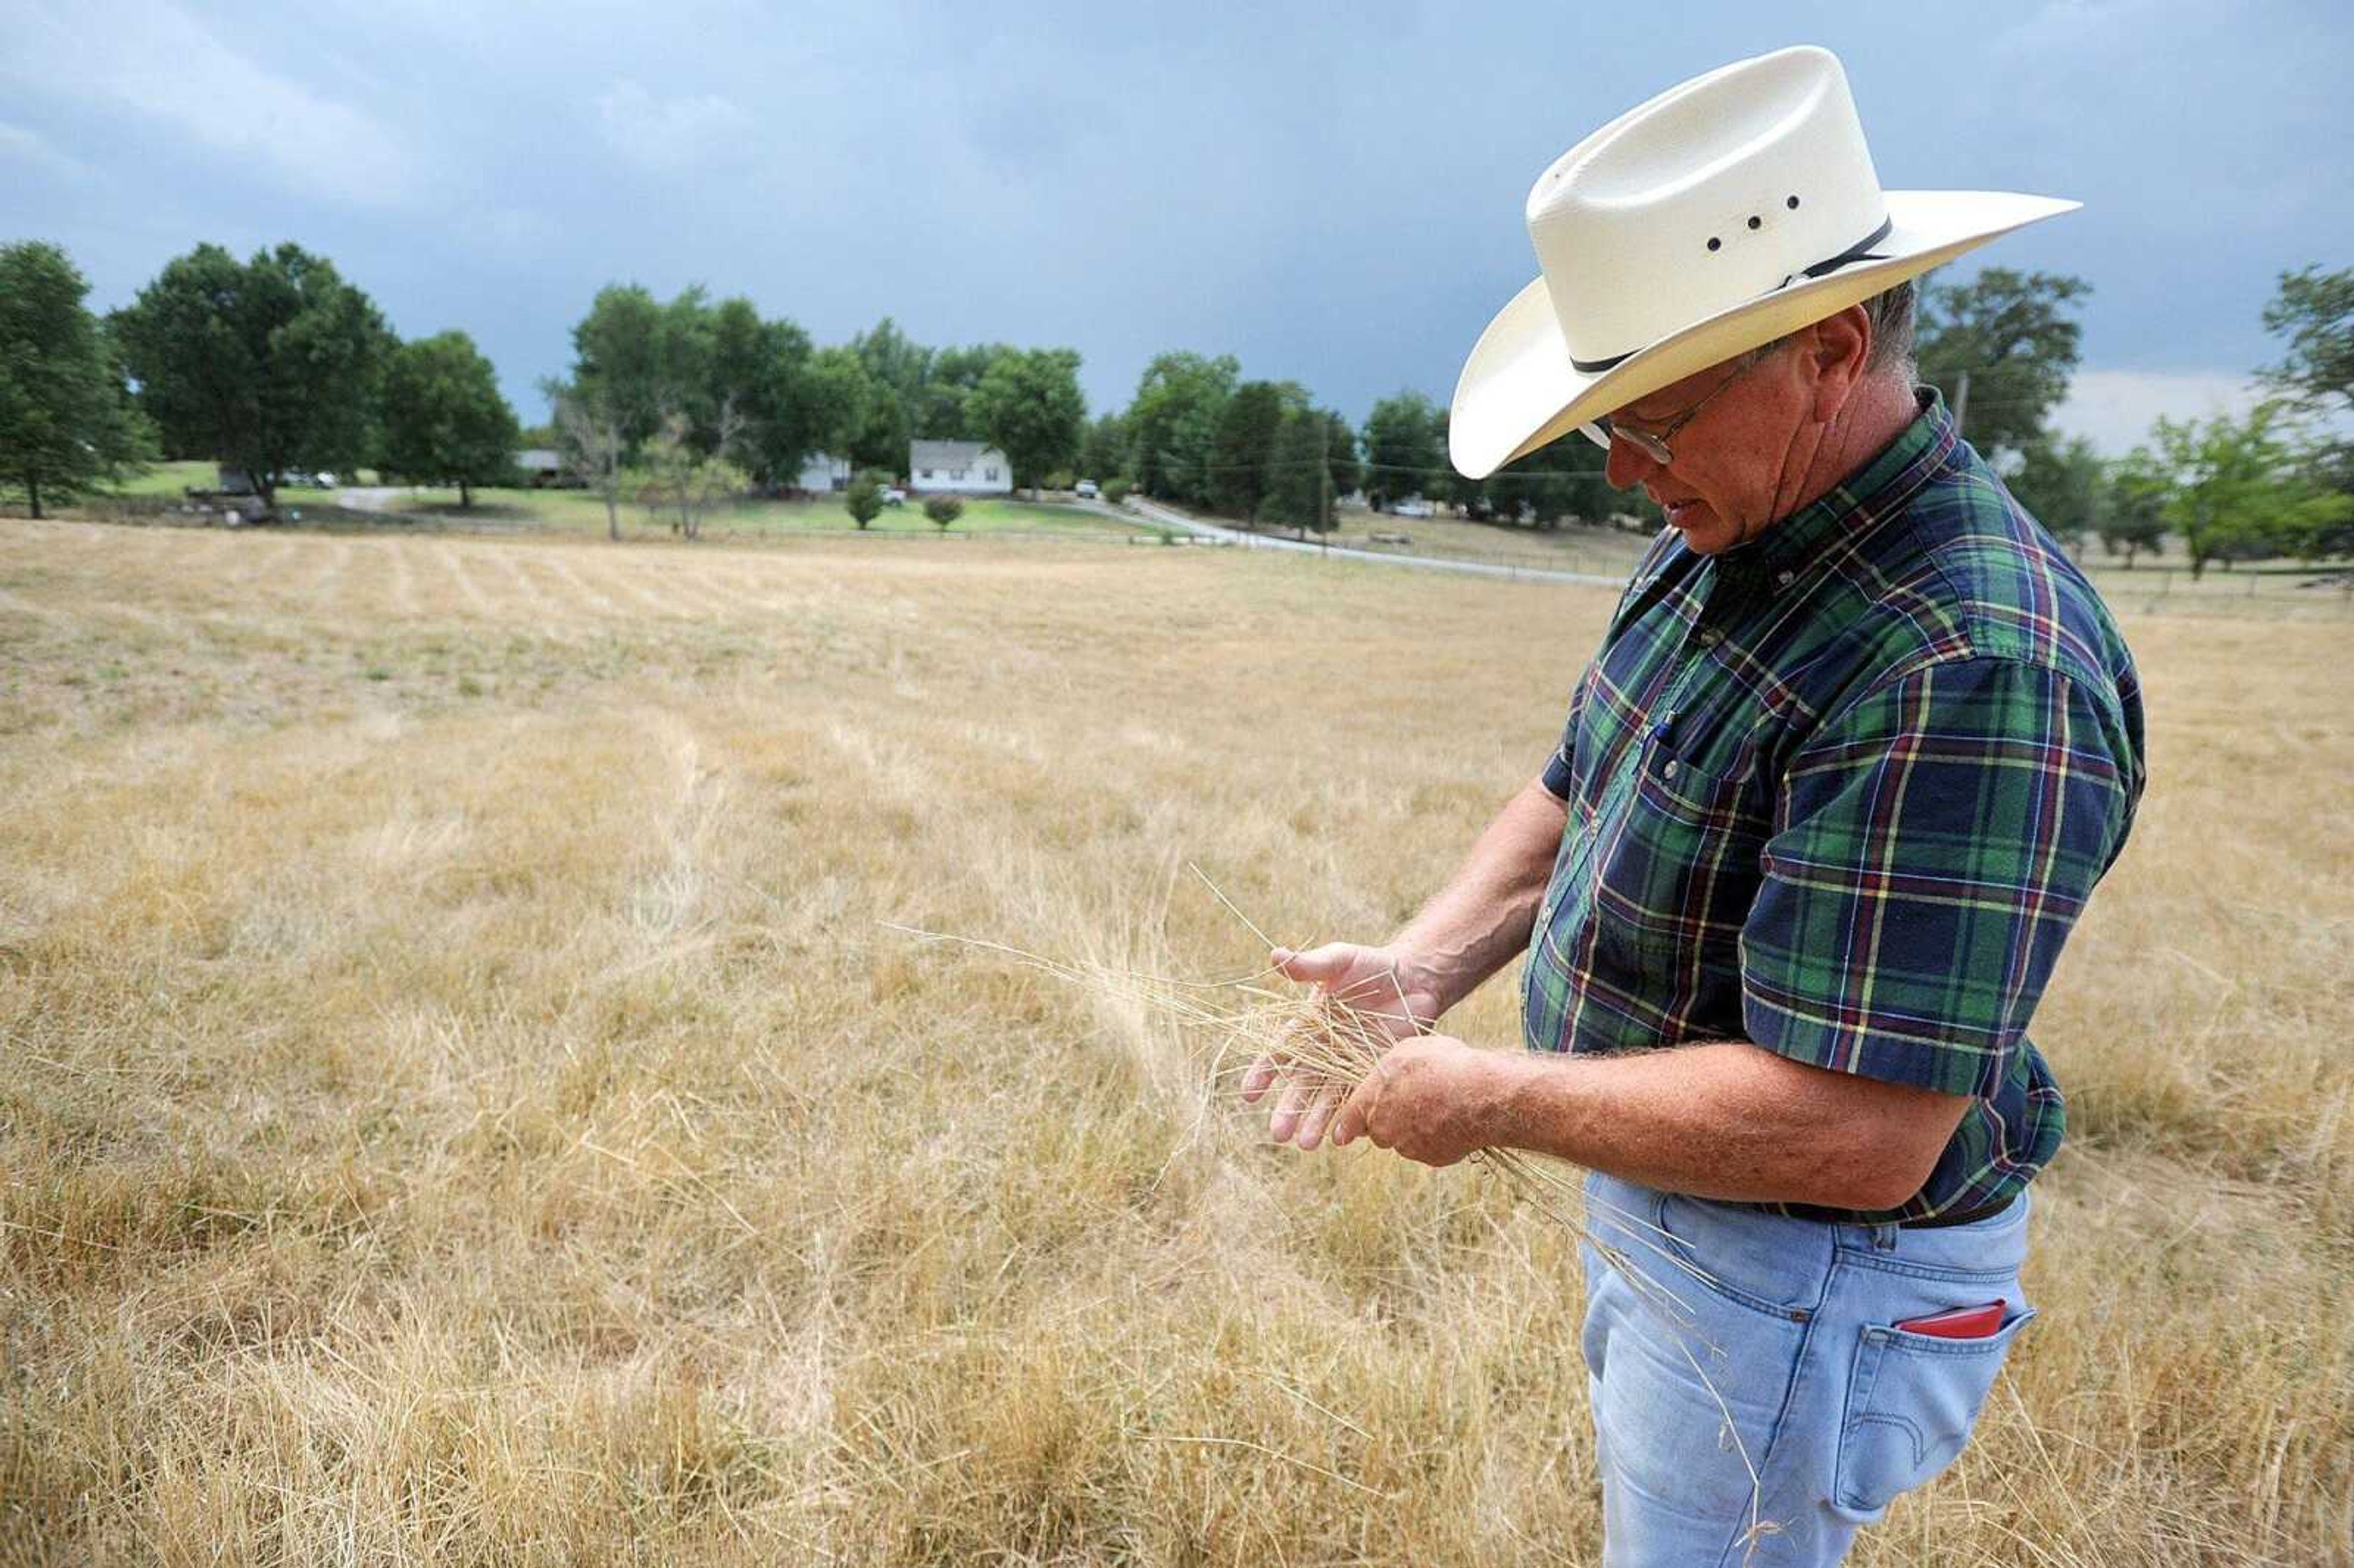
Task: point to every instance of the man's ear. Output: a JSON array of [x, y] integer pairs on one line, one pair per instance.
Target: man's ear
[[1837, 348]]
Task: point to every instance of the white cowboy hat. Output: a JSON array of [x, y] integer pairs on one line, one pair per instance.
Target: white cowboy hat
[[1720, 215]]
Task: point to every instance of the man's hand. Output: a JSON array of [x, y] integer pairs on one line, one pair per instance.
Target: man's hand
[[1432, 1099], [1387, 985]]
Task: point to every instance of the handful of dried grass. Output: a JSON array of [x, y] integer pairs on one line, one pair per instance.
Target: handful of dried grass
[[1328, 1039]]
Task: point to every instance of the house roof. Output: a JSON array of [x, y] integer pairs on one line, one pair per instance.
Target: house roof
[[948, 454], [538, 457]]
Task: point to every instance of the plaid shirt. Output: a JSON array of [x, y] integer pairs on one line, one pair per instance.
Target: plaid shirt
[[1842, 791]]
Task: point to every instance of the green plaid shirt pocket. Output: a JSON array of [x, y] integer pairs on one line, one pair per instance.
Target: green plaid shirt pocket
[[1682, 863]]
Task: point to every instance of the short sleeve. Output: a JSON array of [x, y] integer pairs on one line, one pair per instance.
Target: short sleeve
[[1932, 850], [1556, 778], [1560, 776]]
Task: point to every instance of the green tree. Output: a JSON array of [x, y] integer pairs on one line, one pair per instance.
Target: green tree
[[943, 510], [1242, 449], [897, 369], [944, 405], [863, 499], [2314, 310], [617, 359], [894, 360], [1103, 449], [1173, 422], [2134, 519], [1405, 452], [2064, 486], [66, 421], [760, 371], [645, 361], [1299, 490], [840, 393], [1341, 455], [2240, 489], [1029, 406], [273, 367], [1564, 479], [444, 420], [2015, 336]]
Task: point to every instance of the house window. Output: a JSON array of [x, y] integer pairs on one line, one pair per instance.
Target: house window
[[989, 473], [927, 474], [956, 473]]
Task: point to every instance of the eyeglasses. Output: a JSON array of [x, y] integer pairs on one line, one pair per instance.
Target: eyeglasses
[[1603, 430]]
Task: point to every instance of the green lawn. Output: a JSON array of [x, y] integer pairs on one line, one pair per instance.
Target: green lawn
[[575, 511], [580, 512], [167, 479]]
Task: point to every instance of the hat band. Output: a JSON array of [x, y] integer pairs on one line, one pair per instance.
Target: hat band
[[1859, 251]]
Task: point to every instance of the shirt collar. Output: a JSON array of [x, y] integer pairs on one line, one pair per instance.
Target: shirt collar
[[1879, 489]]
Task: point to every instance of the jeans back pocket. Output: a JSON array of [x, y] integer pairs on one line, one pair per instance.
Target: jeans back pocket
[[1912, 1401]]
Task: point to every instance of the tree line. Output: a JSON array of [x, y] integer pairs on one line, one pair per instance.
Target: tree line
[[710, 398], [278, 366], [2002, 348], [2272, 482]]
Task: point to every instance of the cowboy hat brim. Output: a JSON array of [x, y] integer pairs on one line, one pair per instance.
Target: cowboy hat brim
[[1520, 391]]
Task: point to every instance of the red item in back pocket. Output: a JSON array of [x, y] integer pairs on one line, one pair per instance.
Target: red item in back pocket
[[1961, 1323]]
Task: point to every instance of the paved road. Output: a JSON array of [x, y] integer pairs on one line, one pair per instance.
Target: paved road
[[1160, 515]]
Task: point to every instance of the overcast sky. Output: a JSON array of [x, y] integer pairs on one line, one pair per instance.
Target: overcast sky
[[1332, 195]]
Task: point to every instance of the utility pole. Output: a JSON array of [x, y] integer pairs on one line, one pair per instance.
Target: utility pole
[[1962, 403], [1324, 482]]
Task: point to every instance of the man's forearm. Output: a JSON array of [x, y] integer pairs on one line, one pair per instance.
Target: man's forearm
[[1480, 920], [1725, 1120]]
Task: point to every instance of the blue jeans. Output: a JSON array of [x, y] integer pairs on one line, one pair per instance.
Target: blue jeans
[[1836, 1410]]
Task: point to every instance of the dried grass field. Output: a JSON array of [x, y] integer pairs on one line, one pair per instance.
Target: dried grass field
[[462, 1104]]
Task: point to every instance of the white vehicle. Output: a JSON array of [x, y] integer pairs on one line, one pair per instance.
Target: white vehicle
[[1411, 506], [894, 496], [1088, 491]]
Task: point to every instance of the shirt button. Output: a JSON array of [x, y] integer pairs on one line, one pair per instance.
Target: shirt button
[[1669, 770], [1786, 579], [1711, 636]]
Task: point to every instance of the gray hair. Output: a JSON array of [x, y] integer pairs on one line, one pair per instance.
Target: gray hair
[[1890, 313]]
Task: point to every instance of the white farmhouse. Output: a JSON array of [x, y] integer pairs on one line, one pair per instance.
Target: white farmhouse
[[822, 473], [968, 468]]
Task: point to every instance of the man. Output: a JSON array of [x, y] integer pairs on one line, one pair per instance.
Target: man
[[1857, 745]]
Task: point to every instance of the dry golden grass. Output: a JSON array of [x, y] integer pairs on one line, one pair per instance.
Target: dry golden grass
[[461, 1105]]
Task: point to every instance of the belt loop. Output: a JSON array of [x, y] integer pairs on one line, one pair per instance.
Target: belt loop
[[1883, 1237]]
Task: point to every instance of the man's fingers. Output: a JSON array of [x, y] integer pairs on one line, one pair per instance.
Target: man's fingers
[[1256, 1080], [1319, 1115], [1349, 1124], [1318, 965], [1298, 1093]]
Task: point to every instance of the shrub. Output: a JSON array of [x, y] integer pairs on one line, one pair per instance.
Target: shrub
[[863, 498], [1116, 490], [1060, 479], [943, 510]]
